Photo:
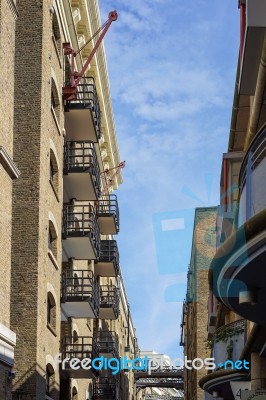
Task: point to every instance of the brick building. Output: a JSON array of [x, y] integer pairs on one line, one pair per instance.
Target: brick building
[[195, 315], [8, 174], [61, 287], [237, 323]]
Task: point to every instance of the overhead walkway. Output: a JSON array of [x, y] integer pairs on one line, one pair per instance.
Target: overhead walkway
[[163, 397], [160, 378], [165, 372]]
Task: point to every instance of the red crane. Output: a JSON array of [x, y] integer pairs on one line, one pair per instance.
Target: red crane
[[70, 91], [109, 179]]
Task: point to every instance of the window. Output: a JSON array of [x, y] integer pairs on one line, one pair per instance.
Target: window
[[74, 393], [89, 392], [55, 101], [51, 311], [56, 34], [50, 380], [53, 173], [52, 239]]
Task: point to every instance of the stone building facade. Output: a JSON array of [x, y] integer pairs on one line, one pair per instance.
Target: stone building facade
[[195, 310], [9, 172], [236, 328], [62, 292]]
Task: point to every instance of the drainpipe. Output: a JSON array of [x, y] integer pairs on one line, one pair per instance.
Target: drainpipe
[[242, 8], [128, 321], [225, 183], [234, 111], [257, 100]]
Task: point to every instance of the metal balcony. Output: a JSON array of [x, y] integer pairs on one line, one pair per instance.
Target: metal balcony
[[107, 343], [106, 389], [252, 176], [228, 342], [108, 262], [80, 233], [78, 348], [108, 215], [81, 171], [237, 273], [109, 302], [80, 297], [83, 115]]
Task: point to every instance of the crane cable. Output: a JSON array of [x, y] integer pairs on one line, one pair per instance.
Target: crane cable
[[94, 35], [108, 181]]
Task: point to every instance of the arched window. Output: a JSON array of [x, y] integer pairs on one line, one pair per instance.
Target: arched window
[[51, 311], [74, 393], [52, 239], [56, 34], [53, 172], [89, 392], [50, 380], [55, 101]]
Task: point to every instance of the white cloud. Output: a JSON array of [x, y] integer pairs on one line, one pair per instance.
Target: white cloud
[[172, 86]]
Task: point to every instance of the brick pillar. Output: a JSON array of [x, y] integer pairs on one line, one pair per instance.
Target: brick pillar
[[26, 193]]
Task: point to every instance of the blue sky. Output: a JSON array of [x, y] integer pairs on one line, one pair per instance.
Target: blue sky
[[172, 66]]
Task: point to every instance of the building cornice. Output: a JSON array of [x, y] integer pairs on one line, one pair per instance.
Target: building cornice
[[93, 17]]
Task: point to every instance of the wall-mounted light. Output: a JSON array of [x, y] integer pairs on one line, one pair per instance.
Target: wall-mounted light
[[11, 375]]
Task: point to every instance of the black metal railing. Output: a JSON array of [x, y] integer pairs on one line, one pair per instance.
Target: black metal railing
[[162, 397], [109, 297], [80, 156], [80, 285], [105, 389], [79, 347], [252, 173], [182, 325], [108, 206], [109, 253], [229, 340], [107, 342], [80, 220], [87, 97], [256, 153]]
